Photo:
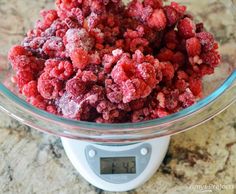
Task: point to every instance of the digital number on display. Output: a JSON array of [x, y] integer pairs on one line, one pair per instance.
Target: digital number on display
[[118, 165]]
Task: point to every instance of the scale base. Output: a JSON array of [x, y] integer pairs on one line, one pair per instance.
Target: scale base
[[76, 152]]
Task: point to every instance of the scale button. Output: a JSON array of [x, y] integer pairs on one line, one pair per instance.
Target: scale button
[[92, 153], [144, 151]]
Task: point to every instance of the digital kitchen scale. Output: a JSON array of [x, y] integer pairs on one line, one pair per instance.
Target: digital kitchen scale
[[119, 167]]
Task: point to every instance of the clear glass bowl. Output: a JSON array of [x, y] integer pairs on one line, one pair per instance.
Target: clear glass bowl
[[17, 16]]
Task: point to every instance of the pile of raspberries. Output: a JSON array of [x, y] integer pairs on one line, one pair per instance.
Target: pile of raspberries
[[101, 61]]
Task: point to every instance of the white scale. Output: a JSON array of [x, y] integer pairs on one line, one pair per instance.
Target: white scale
[[118, 167]]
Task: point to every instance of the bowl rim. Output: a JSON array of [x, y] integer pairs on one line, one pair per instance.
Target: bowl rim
[[124, 126]]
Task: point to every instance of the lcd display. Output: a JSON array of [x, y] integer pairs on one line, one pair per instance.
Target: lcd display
[[118, 165]]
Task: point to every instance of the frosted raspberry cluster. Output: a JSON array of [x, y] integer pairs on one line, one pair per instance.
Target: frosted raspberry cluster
[[102, 61]]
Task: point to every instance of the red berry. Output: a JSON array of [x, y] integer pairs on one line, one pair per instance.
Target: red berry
[[195, 85], [147, 72], [182, 75], [153, 3], [186, 28], [54, 47], [171, 39], [207, 40], [75, 87], [165, 55], [206, 70], [138, 44], [30, 89], [168, 71], [172, 15], [38, 101], [24, 77], [211, 58], [16, 51], [187, 98], [157, 20], [193, 47], [49, 87], [179, 58], [181, 85], [179, 8], [80, 58]]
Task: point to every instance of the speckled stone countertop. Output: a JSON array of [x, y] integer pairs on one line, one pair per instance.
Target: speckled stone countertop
[[202, 159]]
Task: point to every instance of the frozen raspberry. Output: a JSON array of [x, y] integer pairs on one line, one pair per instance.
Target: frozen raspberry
[[165, 55], [80, 58], [21, 62], [138, 43], [182, 75], [181, 85], [78, 14], [49, 16], [38, 101], [157, 20], [171, 39], [67, 4], [89, 76], [172, 15], [159, 113], [24, 77], [179, 58], [207, 41], [195, 85], [113, 91], [171, 100], [36, 43], [122, 72], [78, 38], [16, 51], [138, 56], [140, 115], [146, 13], [30, 89], [131, 34], [187, 98], [54, 47], [59, 69], [211, 58], [137, 104], [167, 71], [98, 35], [52, 109], [186, 28], [108, 62], [95, 59], [49, 87], [153, 3], [75, 87], [206, 70], [134, 89], [147, 72], [179, 8], [193, 47], [71, 23], [135, 9]]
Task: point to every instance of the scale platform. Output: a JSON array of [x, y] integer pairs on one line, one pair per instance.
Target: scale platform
[[118, 167]]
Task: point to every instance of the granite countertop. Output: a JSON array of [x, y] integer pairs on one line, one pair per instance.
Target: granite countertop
[[202, 159]]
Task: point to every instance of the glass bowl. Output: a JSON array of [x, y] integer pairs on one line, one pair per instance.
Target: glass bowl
[[16, 17]]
